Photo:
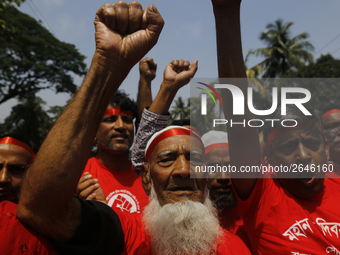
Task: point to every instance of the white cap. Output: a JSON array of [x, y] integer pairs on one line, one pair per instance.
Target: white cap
[[215, 139]]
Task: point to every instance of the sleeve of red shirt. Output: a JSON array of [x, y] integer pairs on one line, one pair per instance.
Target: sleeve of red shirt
[[18, 238], [254, 208]]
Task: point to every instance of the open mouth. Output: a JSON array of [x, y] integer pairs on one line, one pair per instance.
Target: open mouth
[[307, 178]]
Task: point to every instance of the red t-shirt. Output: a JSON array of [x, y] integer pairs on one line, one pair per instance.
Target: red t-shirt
[[278, 223], [334, 175], [138, 242], [17, 238], [232, 221], [123, 189]]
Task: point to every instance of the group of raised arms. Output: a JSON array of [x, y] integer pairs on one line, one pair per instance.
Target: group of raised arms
[[140, 194]]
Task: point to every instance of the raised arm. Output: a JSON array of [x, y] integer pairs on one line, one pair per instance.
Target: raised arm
[[176, 75], [243, 141], [147, 71], [46, 201]]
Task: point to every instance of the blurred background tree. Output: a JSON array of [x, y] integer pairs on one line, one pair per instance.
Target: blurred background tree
[[32, 59]]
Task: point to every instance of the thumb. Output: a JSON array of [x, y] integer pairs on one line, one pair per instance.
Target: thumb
[[193, 67], [155, 21]]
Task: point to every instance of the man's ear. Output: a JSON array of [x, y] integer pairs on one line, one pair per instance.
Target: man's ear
[[146, 178]]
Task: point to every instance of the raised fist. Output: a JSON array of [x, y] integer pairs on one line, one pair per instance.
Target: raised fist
[[179, 72], [126, 32], [147, 69]]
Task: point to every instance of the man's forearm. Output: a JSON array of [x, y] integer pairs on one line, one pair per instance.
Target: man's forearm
[[63, 155], [228, 38], [243, 141], [144, 97]]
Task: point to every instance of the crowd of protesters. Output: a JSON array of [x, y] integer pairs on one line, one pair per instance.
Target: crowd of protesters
[[62, 201]]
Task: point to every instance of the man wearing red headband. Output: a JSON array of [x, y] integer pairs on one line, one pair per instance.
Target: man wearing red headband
[[124, 34], [112, 169], [15, 157], [331, 127], [282, 214], [180, 218]]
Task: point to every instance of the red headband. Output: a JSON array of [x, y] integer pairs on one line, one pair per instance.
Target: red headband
[[215, 146], [117, 111], [196, 131], [277, 132], [11, 140], [330, 112], [166, 134]]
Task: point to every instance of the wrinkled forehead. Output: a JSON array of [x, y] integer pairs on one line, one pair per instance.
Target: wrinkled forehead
[[14, 153], [302, 133], [218, 155], [331, 118], [180, 144]]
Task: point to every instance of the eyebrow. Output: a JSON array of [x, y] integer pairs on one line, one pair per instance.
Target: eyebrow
[[196, 152], [164, 153]]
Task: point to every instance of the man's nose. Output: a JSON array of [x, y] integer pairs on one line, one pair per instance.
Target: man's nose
[[119, 123], [303, 154], [5, 177], [182, 167]]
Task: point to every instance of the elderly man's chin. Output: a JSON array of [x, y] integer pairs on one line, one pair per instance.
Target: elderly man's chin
[[184, 227]]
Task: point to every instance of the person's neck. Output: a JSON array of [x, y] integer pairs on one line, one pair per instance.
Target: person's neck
[[117, 162]]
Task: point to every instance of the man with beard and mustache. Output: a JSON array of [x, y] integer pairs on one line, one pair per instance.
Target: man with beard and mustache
[[80, 226], [221, 192], [124, 34], [123, 189], [331, 129], [112, 169], [180, 218], [282, 214]]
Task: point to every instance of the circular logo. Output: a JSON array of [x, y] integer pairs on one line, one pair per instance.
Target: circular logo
[[124, 200]]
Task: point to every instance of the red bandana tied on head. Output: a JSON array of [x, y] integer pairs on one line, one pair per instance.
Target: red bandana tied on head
[[117, 111], [216, 146], [277, 132], [330, 112], [11, 140], [165, 133]]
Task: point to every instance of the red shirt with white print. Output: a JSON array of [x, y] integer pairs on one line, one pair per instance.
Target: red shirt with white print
[[279, 223], [123, 189]]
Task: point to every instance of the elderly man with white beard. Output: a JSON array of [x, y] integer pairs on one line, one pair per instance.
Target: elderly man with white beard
[[180, 218], [124, 34]]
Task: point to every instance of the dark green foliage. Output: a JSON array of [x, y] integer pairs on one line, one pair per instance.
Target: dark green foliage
[[29, 119], [31, 58], [324, 67]]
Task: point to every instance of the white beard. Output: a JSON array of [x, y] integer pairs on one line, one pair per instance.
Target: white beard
[[183, 228]]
